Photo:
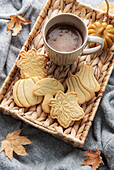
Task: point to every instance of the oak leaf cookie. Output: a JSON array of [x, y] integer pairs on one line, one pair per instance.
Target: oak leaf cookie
[[47, 87], [32, 64], [22, 92], [65, 108]]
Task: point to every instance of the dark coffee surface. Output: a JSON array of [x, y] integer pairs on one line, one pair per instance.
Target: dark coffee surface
[[64, 38]]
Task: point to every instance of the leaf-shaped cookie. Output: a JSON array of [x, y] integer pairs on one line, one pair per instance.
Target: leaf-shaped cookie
[[32, 64], [65, 108]]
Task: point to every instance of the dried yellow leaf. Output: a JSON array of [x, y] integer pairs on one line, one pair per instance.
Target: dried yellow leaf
[[14, 142]]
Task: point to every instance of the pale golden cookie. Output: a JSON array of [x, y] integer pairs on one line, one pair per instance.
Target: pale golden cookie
[[32, 64], [84, 93], [15, 94], [47, 87], [65, 108], [86, 76], [21, 95], [32, 100], [73, 87], [22, 92]]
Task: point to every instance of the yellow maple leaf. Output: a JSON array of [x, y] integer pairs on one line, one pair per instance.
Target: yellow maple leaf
[[14, 142], [104, 7], [15, 23]]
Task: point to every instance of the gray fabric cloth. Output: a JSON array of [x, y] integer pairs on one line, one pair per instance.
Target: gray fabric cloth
[[47, 152]]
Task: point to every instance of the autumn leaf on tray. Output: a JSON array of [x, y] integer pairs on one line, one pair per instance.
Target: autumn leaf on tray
[[93, 159], [14, 142], [15, 23], [104, 7]]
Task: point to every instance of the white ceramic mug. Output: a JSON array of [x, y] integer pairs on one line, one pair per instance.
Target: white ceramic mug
[[66, 58]]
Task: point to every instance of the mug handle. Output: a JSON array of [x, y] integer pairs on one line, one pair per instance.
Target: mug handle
[[94, 49]]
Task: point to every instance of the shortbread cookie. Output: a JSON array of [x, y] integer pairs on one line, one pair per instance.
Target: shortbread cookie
[[84, 93], [65, 108], [22, 92], [32, 64], [86, 76], [47, 87], [15, 94]]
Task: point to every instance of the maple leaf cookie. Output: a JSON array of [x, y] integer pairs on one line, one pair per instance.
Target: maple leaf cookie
[[32, 64], [65, 108]]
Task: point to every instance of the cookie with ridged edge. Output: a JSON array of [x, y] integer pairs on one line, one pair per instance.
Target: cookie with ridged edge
[[65, 108], [32, 64]]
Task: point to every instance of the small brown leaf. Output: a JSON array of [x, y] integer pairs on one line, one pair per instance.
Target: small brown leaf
[[15, 23], [104, 7], [14, 142], [93, 159]]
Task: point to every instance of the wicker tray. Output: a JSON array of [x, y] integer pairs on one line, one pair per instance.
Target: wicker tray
[[102, 63]]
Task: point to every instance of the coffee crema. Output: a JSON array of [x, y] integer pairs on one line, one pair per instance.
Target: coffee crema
[[64, 38]]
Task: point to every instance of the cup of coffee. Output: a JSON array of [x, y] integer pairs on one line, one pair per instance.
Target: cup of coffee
[[65, 37]]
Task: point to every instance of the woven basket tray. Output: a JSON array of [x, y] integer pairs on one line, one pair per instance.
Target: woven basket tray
[[102, 63]]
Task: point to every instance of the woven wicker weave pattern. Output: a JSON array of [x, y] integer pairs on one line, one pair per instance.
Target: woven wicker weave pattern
[[102, 63]]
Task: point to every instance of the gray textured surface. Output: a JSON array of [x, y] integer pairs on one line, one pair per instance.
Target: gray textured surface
[[47, 152]]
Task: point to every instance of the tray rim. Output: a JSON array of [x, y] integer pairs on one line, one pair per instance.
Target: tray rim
[[75, 142]]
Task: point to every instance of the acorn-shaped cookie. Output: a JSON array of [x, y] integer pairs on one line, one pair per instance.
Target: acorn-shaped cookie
[[104, 31], [22, 92]]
